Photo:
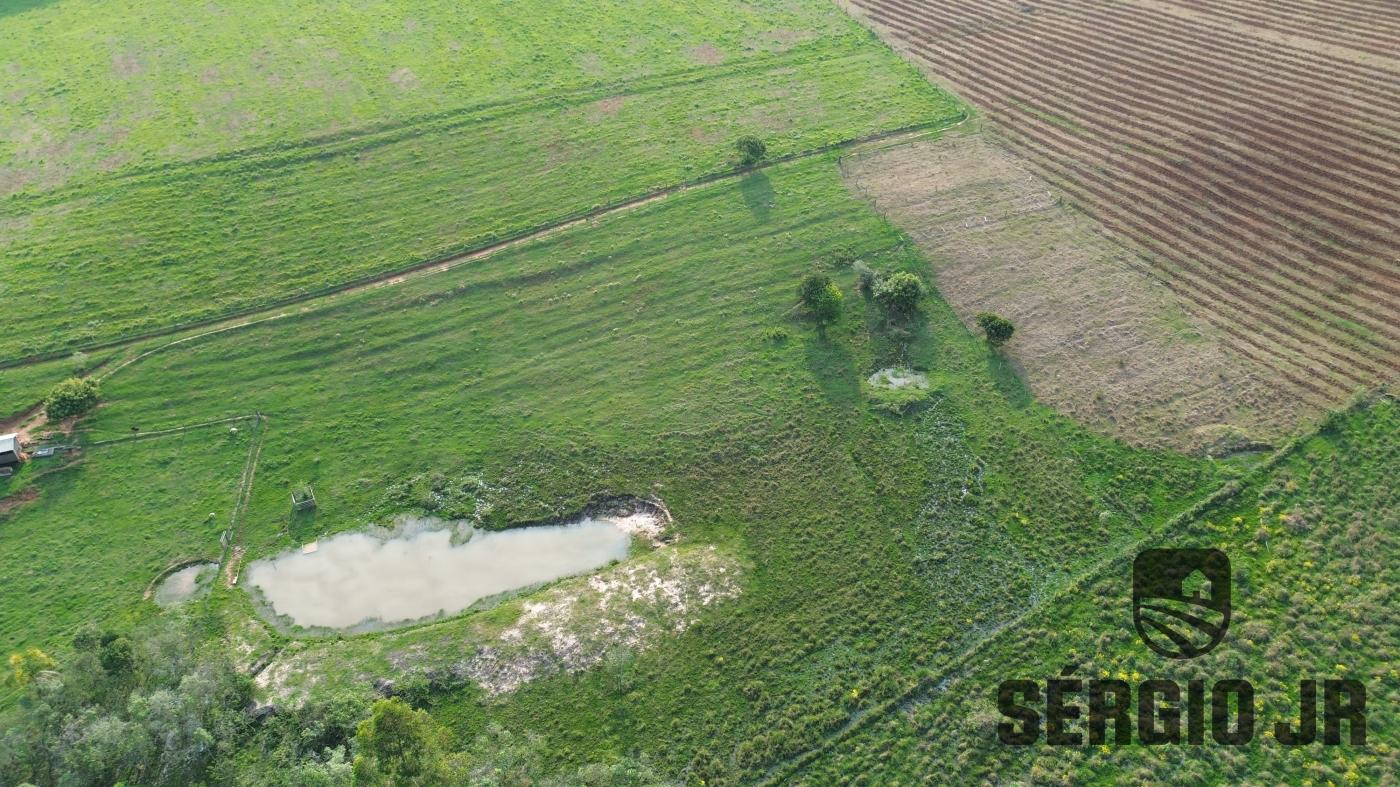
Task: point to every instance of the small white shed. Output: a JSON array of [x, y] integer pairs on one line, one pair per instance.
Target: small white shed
[[9, 449]]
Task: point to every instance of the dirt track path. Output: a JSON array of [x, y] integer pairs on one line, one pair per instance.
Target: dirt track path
[[312, 301]]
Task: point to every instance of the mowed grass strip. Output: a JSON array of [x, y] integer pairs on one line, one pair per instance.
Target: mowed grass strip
[[152, 246], [639, 355]]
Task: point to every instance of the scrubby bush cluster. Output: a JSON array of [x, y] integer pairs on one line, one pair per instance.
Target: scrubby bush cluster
[[751, 151], [996, 328], [158, 708], [865, 277], [73, 396], [899, 293], [154, 710]]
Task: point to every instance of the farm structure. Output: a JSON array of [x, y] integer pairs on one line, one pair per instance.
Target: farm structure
[[1250, 151], [9, 450]]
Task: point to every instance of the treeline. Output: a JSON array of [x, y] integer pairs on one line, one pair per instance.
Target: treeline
[[166, 705]]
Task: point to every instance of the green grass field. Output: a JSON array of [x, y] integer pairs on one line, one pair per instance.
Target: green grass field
[[1311, 545], [361, 176], [164, 163], [92, 541], [880, 545]]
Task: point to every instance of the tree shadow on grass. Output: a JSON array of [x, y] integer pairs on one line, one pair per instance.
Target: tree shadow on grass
[[8, 7], [758, 195], [301, 525], [835, 371], [1008, 380]]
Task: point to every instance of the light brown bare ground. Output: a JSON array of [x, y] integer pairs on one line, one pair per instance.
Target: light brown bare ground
[[1097, 337], [1248, 149], [13, 502]]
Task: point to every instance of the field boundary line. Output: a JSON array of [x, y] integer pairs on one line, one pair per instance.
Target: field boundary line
[[450, 260], [936, 680], [170, 430], [233, 546], [389, 132]]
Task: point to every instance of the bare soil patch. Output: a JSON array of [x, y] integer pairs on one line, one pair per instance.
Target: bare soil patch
[[404, 79], [11, 503], [604, 108], [127, 65], [1097, 337], [707, 54]]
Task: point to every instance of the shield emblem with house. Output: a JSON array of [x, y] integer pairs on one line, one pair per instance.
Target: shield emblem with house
[[1181, 600]]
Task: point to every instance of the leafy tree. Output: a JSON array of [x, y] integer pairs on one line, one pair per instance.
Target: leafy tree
[[751, 150], [899, 292], [398, 745], [116, 655], [71, 397], [821, 297], [166, 721], [997, 328]]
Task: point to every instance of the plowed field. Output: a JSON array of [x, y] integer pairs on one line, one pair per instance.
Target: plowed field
[[1250, 148]]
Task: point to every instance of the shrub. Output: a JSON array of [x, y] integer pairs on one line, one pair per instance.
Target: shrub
[[26, 665], [821, 297], [997, 328], [73, 396], [865, 277], [843, 257], [895, 401], [899, 292], [751, 150]]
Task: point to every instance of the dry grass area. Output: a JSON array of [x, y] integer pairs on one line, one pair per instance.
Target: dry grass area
[[1249, 148], [1096, 335]]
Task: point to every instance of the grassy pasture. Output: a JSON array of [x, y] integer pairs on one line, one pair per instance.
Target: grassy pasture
[[105, 85], [174, 235], [1312, 547], [632, 356], [104, 525], [164, 164]]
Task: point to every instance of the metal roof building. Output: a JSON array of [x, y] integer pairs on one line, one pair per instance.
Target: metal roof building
[[9, 449]]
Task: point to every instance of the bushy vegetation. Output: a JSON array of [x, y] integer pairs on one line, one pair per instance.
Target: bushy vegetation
[[995, 328], [866, 277], [74, 396], [175, 710], [158, 714], [899, 293], [751, 151], [821, 297]]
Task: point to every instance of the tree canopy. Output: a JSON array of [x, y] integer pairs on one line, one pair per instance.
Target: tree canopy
[[998, 329], [73, 396], [751, 150], [821, 297], [899, 292]]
